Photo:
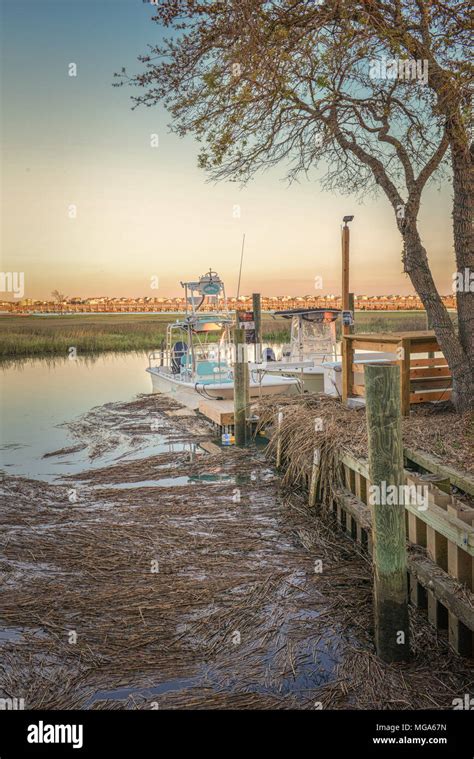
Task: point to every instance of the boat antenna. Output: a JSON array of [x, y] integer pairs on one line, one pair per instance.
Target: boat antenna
[[240, 270]]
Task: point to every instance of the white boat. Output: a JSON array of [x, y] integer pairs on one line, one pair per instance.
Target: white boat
[[197, 361], [312, 344]]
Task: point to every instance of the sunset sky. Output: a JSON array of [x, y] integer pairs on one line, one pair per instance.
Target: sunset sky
[[142, 211]]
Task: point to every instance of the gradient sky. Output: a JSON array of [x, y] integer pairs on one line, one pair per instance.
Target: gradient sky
[[143, 211]]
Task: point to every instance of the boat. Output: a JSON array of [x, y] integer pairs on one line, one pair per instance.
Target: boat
[[312, 344], [197, 359]]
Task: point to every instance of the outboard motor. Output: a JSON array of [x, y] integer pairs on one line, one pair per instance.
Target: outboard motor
[[268, 354], [178, 350]]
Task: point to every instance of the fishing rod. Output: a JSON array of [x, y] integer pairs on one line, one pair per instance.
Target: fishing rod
[[240, 270]]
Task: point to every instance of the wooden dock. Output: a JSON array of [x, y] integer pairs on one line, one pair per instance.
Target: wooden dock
[[220, 413]]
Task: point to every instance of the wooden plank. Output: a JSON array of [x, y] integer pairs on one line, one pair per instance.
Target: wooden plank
[[358, 465], [430, 383], [418, 336], [358, 390], [416, 530], [425, 346], [435, 371], [353, 506], [460, 510], [347, 477], [376, 345], [438, 497], [360, 487], [437, 547], [432, 484], [349, 521], [444, 587], [418, 595], [460, 636], [404, 362], [446, 526], [463, 480], [460, 565], [219, 412], [429, 397], [371, 337], [437, 362], [437, 613]]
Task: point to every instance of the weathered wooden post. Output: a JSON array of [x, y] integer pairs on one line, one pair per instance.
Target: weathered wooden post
[[383, 399], [241, 387], [278, 446], [352, 308], [257, 318], [313, 487], [345, 269]]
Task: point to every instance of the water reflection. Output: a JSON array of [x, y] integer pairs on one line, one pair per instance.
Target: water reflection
[[39, 395]]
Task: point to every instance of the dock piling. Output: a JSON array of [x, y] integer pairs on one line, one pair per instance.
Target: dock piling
[[383, 397], [257, 318], [241, 388]]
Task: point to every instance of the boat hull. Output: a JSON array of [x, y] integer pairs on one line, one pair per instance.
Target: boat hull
[[190, 395], [313, 380]]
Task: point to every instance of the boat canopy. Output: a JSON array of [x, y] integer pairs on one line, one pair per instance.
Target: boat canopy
[[313, 333], [208, 323], [311, 314]]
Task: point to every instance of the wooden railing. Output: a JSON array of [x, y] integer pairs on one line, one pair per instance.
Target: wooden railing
[[441, 574], [422, 379]]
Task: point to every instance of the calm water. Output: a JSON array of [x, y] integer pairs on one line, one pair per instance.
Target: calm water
[[39, 395]]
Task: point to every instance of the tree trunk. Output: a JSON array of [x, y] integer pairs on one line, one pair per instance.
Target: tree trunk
[[417, 267], [463, 242]]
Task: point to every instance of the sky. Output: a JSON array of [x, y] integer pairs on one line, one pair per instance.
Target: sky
[[72, 145]]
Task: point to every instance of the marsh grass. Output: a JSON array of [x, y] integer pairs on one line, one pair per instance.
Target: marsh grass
[[42, 336]]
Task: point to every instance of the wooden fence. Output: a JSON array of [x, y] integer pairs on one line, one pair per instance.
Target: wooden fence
[[440, 580]]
